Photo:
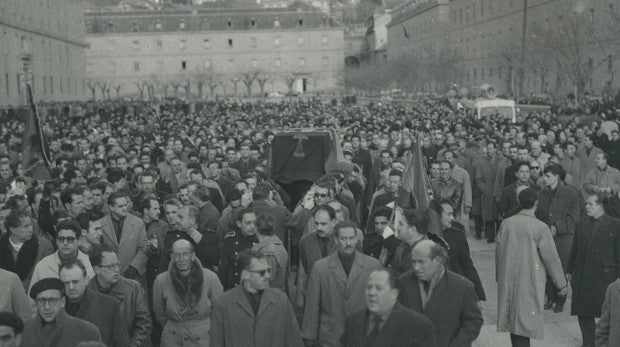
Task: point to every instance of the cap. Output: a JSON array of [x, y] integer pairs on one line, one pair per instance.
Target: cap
[[46, 284]]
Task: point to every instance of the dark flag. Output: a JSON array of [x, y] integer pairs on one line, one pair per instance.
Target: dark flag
[[413, 190], [35, 153]]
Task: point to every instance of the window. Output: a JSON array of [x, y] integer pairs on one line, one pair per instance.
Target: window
[[278, 62], [254, 63], [301, 61], [276, 41], [136, 45], [183, 65], [182, 25], [207, 43], [253, 42], [207, 64], [183, 44], [300, 22], [276, 23], [230, 43], [159, 43], [252, 22], [136, 66], [229, 23]]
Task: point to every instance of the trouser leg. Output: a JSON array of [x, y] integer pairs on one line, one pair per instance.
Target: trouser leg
[[519, 341], [588, 327], [478, 225], [489, 230]]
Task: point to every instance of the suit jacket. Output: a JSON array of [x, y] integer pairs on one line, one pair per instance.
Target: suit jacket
[[452, 307], [105, 314], [310, 250], [129, 247], [403, 328], [28, 256], [560, 209], [332, 296], [233, 322]]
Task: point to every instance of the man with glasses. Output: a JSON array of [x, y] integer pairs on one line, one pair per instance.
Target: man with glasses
[[68, 234], [536, 175], [52, 326], [92, 306], [126, 292], [252, 314], [235, 242]]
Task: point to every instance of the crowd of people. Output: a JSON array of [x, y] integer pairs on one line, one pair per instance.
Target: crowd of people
[[158, 224]]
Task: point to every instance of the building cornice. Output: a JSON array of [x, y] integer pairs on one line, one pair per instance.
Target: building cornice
[[45, 34]]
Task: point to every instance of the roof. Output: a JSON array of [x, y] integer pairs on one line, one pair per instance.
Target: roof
[[195, 19]]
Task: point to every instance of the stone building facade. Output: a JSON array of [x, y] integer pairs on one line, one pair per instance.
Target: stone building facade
[[213, 52], [41, 42]]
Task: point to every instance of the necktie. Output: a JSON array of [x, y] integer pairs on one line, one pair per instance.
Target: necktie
[[374, 332]]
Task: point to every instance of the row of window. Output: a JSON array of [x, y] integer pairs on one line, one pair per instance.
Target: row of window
[[207, 65], [47, 85], [206, 43]]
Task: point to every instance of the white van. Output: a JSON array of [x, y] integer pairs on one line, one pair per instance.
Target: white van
[[487, 107]]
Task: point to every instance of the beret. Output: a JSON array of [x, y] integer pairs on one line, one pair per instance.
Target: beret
[[7, 319], [46, 284]]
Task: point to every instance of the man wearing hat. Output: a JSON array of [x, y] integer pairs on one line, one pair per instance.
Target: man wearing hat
[[52, 326], [11, 329]]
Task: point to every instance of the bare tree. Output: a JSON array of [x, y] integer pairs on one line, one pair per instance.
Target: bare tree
[[248, 78], [212, 83], [289, 80], [262, 80], [92, 85], [117, 89], [141, 85], [235, 81]]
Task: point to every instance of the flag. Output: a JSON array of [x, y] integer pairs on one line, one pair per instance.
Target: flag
[[35, 154], [413, 191]]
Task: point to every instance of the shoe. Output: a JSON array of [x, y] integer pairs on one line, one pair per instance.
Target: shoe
[[490, 241]]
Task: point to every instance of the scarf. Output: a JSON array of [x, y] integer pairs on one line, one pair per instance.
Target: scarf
[[26, 257], [187, 288]]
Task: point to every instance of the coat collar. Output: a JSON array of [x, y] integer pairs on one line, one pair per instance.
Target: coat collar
[[439, 297], [268, 298], [336, 267]]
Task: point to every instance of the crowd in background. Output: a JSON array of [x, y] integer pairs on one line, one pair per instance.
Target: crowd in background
[[159, 225]]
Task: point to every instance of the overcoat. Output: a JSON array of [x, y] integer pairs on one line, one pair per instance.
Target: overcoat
[[129, 247], [331, 296], [105, 314], [234, 323], [594, 263], [65, 331], [525, 253], [185, 327], [608, 327], [460, 260], [403, 328], [484, 176], [452, 307]]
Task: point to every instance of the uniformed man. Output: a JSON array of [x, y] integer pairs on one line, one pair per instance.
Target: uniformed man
[[236, 241], [373, 241]]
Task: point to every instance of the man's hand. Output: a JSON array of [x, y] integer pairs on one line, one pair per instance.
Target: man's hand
[[554, 230], [194, 234], [308, 202], [569, 277], [563, 291], [467, 210]]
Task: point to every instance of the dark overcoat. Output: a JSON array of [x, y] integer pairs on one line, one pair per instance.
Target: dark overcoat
[[594, 263]]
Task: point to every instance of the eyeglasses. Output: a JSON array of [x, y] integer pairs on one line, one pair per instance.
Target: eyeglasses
[[261, 272], [535, 167], [69, 239], [111, 266], [319, 195], [50, 301], [184, 255]]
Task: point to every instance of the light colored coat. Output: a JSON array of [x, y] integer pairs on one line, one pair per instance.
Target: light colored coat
[[525, 253], [608, 327], [129, 247], [331, 297], [48, 267], [234, 323], [180, 328], [13, 298]]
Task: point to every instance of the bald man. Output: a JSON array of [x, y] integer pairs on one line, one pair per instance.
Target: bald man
[[445, 298]]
